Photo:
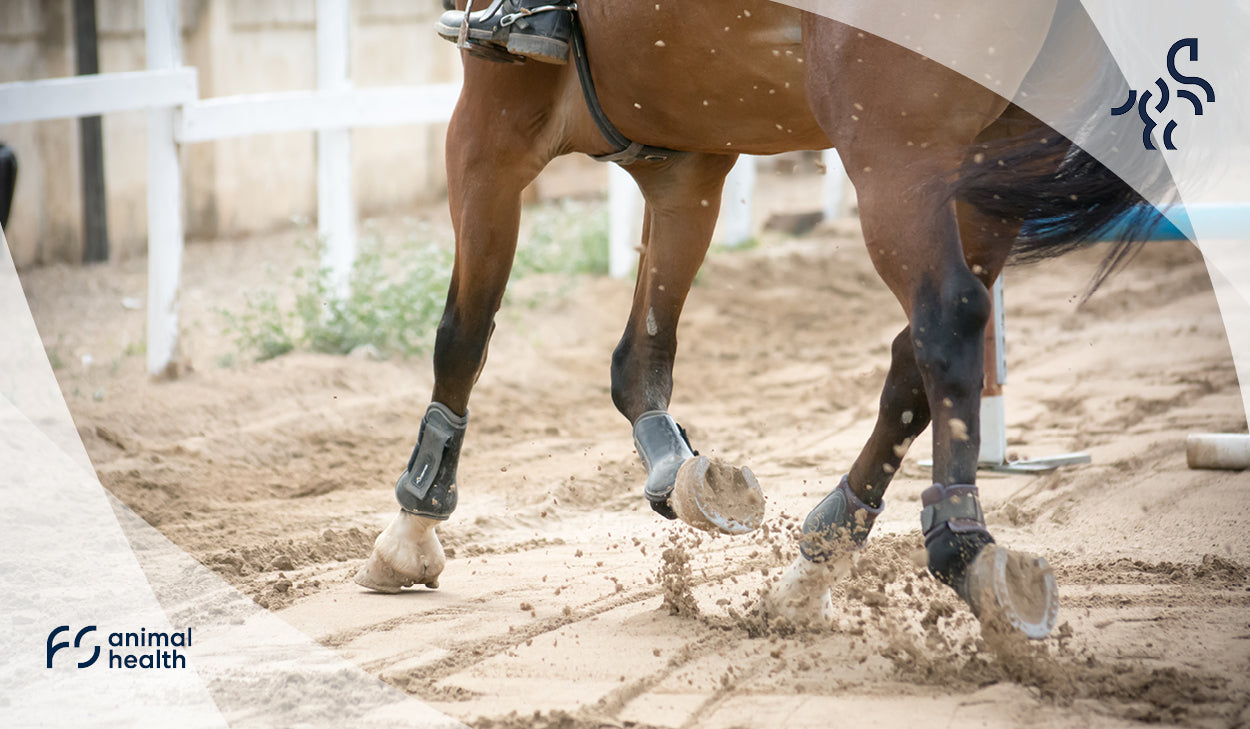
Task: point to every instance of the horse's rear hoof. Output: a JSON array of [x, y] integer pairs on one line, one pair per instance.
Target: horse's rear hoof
[[406, 553], [800, 595], [714, 496], [1013, 590], [378, 576]]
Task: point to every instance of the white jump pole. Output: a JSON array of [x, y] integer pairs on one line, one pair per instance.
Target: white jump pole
[[993, 455], [736, 212], [336, 210], [162, 39], [625, 207], [993, 408]]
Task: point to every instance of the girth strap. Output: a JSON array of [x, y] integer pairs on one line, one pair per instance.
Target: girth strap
[[628, 151]]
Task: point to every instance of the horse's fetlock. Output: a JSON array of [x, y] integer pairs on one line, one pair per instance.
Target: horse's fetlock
[[663, 447], [428, 485], [840, 521], [954, 531]]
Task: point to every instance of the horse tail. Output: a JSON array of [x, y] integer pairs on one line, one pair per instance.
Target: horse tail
[[1063, 197]]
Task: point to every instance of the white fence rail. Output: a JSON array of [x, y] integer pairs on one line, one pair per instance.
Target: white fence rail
[[176, 115], [62, 98], [293, 111]]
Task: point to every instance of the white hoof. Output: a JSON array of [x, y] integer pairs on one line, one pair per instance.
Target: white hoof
[[714, 496], [406, 553], [801, 595]]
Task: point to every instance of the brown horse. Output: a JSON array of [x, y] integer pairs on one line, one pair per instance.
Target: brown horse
[[946, 173]]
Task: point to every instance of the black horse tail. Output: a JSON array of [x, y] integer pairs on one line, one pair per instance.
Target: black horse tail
[[1062, 196]]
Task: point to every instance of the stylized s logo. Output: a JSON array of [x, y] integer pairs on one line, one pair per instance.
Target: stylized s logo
[[94, 654]]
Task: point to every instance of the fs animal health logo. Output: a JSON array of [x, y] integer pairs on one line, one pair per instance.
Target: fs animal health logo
[[156, 649], [1143, 101]]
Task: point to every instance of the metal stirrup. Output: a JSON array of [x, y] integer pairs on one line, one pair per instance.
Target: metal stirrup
[[513, 17], [462, 41]]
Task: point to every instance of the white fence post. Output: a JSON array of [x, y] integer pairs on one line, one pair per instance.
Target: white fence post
[[835, 184], [164, 51], [737, 202], [625, 208], [336, 209]]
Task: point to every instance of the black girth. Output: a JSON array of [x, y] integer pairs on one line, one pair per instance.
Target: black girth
[[628, 151]]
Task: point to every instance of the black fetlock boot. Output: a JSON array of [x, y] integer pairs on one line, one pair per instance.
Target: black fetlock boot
[[954, 532], [663, 448], [1006, 590], [513, 30]]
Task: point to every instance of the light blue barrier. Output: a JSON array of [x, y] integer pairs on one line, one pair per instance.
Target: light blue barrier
[[1216, 220]]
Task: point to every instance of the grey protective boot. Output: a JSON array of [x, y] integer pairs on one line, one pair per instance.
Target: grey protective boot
[[509, 31]]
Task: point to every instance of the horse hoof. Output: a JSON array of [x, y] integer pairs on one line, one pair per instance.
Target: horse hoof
[[801, 595], [1013, 590], [406, 553], [714, 496]]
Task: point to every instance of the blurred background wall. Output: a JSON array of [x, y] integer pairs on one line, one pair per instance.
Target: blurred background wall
[[232, 187]]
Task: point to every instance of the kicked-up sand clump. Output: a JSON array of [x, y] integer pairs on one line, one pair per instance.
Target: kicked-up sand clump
[[675, 576]]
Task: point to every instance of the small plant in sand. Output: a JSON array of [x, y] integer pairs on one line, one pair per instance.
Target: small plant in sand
[[566, 236], [395, 300], [397, 290]]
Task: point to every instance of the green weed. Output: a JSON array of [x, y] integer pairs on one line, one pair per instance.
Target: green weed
[[397, 291]]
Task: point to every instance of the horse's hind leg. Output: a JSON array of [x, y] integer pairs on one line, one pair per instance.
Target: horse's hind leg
[[903, 411], [683, 200], [844, 518], [902, 151], [490, 160]]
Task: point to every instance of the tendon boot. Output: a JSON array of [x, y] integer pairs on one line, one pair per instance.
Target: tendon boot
[[663, 447], [1008, 591], [954, 532], [836, 526], [509, 31], [839, 522], [427, 487]]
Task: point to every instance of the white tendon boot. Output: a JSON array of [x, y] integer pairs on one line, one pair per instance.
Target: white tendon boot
[[801, 595], [406, 553]]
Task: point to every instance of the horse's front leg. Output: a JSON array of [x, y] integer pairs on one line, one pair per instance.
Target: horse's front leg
[[842, 520], [488, 166], [682, 201]]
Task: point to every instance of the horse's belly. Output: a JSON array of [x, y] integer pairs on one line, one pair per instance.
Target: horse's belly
[[710, 77]]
